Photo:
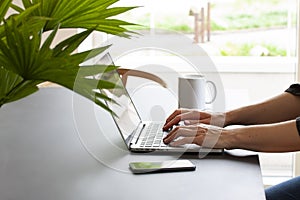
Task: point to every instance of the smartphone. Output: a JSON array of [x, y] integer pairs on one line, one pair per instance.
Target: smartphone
[[165, 166]]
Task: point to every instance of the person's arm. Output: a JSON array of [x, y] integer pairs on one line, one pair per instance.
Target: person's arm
[[280, 108], [277, 137]]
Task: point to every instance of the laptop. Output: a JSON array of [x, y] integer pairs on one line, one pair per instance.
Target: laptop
[[139, 135]]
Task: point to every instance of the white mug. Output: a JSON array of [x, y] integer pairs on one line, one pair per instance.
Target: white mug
[[192, 90]]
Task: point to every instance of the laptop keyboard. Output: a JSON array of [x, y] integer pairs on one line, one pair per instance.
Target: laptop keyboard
[[153, 136]]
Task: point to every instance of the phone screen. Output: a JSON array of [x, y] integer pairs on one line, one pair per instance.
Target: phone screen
[[165, 166]]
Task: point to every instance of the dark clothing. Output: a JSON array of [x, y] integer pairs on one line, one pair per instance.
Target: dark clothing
[[289, 190], [295, 90]]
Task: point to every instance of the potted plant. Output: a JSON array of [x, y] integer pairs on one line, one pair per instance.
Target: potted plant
[[27, 57]]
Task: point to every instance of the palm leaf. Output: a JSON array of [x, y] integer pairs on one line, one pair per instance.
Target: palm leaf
[[35, 64], [4, 6], [8, 80], [85, 14], [26, 60], [26, 15], [13, 86]]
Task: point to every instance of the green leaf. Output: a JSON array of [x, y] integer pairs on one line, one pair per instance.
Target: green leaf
[[24, 89], [27, 58], [115, 11], [91, 70], [4, 5], [86, 14], [13, 86], [8, 80], [17, 8], [72, 43], [19, 18]]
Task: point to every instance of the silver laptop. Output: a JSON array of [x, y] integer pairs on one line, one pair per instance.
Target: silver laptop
[[139, 135]]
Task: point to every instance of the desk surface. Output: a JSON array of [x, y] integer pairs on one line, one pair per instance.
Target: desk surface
[[57, 145]]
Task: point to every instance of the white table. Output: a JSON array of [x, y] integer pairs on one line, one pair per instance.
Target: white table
[[57, 145]]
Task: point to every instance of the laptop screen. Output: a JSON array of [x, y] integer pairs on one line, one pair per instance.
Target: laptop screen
[[127, 117]]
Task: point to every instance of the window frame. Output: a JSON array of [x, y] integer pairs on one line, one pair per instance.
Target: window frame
[[297, 154]]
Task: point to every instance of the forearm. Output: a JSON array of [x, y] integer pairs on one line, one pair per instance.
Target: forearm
[[280, 108], [278, 137]]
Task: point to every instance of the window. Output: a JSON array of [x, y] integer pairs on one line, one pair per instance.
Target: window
[[259, 55], [252, 43]]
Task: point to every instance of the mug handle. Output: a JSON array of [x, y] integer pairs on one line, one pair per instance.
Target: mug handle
[[214, 92]]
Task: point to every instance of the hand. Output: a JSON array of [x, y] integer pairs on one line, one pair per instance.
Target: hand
[[191, 117], [202, 135]]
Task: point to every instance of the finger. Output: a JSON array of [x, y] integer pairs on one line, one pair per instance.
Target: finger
[[176, 113], [178, 132], [204, 118], [171, 123], [183, 141], [173, 115], [193, 122], [205, 121], [170, 136], [186, 131], [183, 115]]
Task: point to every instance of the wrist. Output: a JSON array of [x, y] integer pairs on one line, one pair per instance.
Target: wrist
[[229, 115], [230, 138], [218, 119]]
